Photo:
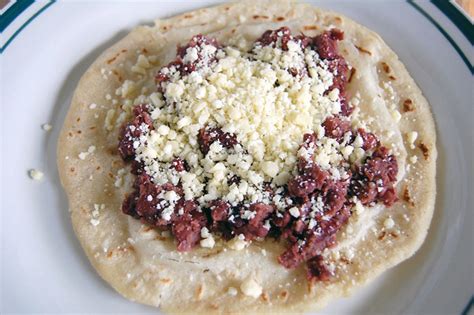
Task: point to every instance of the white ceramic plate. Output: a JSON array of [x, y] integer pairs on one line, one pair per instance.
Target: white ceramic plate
[[45, 50]]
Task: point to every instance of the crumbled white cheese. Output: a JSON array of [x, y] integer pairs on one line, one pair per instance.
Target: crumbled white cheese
[[358, 207], [120, 177], [237, 243], [250, 287], [396, 115], [35, 174], [46, 127], [205, 232], [411, 138], [389, 223], [295, 212], [84, 155], [232, 291], [270, 168], [208, 242]]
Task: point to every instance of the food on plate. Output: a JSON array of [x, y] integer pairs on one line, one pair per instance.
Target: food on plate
[[250, 157]]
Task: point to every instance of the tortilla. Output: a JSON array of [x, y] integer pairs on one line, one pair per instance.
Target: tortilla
[[144, 266]]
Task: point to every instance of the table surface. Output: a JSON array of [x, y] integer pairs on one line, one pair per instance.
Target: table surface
[[468, 6]]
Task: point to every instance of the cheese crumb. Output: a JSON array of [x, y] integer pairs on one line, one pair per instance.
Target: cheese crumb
[[294, 212], [411, 138], [232, 291], [270, 168], [35, 174], [46, 127], [358, 207], [251, 288], [208, 242], [389, 223], [396, 115], [237, 244], [205, 232]]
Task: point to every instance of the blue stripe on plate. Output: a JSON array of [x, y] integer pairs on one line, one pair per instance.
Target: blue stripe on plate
[[456, 16], [15, 10], [2, 49], [468, 307], [445, 34]]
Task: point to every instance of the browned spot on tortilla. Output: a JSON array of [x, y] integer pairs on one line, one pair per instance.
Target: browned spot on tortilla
[[351, 75], [97, 168], [260, 17], [424, 149], [120, 251], [280, 18], [164, 27], [70, 134], [188, 16], [391, 77], [408, 105], [338, 19], [310, 27], [144, 50], [205, 270], [92, 128], [166, 280], [385, 67], [227, 8], [72, 169], [264, 297], [214, 306], [116, 163], [233, 31], [116, 56], [79, 132], [84, 210], [160, 238], [382, 235], [393, 234], [111, 175], [363, 50], [199, 292], [345, 260], [119, 77], [406, 197], [212, 253], [283, 295], [78, 119], [112, 150]]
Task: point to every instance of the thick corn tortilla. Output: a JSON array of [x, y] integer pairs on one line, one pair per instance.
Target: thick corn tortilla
[[144, 265]]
